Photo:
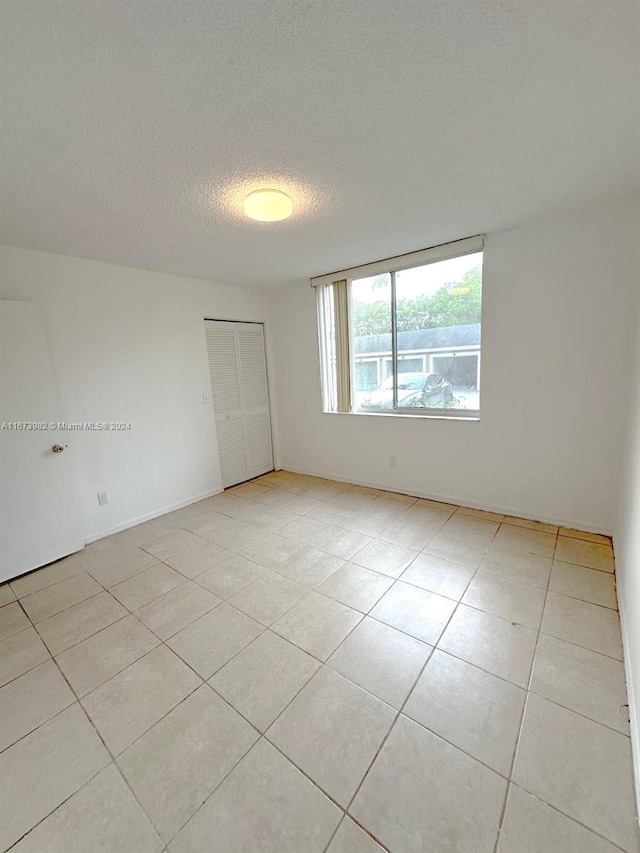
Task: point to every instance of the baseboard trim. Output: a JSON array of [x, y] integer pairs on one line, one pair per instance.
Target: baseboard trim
[[453, 499], [149, 516], [634, 707]]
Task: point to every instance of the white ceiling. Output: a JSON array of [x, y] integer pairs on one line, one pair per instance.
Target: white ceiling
[[132, 128]]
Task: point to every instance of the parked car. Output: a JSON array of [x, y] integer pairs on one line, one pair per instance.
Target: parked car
[[415, 390]]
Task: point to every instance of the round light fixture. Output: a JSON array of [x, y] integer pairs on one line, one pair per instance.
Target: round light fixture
[[268, 205]]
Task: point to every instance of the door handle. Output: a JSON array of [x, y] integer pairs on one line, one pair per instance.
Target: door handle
[[57, 448]]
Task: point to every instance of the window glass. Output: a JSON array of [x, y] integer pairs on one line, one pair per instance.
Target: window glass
[[413, 335], [438, 311], [411, 382], [371, 333]]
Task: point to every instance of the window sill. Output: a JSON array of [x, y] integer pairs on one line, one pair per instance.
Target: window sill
[[428, 415]]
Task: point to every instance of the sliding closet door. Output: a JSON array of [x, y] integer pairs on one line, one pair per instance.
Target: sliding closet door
[[255, 397], [227, 400], [240, 393]]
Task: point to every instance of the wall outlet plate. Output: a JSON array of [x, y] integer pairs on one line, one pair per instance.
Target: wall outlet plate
[[103, 498]]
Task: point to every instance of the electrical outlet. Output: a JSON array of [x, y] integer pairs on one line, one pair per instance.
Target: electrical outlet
[[103, 498], [393, 461], [206, 398]]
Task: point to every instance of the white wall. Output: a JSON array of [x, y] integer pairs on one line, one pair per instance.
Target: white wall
[[627, 550], [129, 345], [558, 316]]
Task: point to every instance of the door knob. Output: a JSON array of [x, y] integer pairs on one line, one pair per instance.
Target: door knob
[[57, 448]]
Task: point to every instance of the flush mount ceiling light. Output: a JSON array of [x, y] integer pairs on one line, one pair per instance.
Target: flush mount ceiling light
[[268, 205]]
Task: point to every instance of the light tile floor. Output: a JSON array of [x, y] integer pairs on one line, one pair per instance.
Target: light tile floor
[[301, 666]]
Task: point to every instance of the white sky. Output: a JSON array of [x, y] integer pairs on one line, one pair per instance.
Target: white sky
[[417, 281]]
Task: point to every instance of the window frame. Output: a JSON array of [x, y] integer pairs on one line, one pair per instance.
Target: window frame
[[391, 267]]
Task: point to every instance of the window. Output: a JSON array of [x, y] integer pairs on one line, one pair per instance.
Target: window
[[403, 336]]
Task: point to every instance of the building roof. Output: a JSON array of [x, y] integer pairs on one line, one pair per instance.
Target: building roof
[[422, 339]]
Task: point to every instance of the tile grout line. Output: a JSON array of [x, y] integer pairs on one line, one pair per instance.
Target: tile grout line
[[322, 663], [380, 494], [524, 710], [402, 707], [396, 718], [524, 707], [308, 590], [568, 817], [112, 760], [203, 682], [229, 771], [275, 531], [507, 779]]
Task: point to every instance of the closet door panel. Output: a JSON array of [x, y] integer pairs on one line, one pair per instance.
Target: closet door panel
[[258, 428], [240, 395], [232, 450], [253, 366], [223, 368], [255, 397]]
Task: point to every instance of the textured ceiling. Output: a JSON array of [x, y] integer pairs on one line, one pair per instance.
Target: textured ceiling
[[132, 129]]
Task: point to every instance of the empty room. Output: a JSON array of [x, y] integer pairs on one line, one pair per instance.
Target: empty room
[[319, 426]]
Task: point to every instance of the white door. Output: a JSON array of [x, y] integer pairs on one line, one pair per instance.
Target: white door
[[240, 394], [39, 520]]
